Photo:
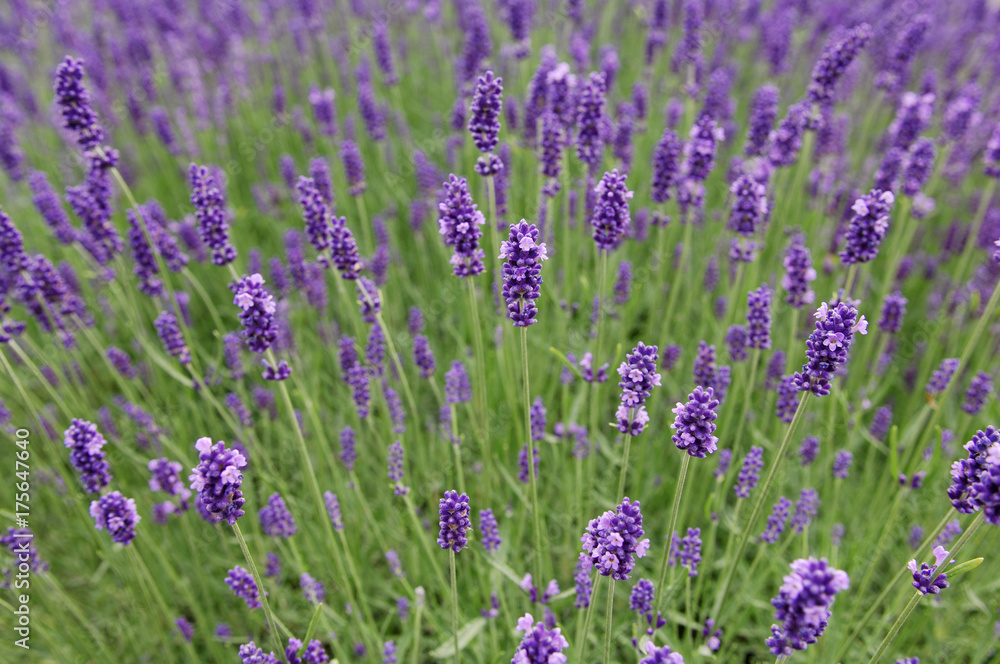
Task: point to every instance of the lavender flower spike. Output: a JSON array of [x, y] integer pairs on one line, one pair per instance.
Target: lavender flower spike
[[828, 346], [539, 645], [116, 514], [695, 423], [832, 64], [484, 120], [217, 479], [454, 521], [74, 104], [87, 457], [459, 224], [613, 540], [803, 605], [639, 377], [209, 203], [611, 214], [522, 272], [868, 227]]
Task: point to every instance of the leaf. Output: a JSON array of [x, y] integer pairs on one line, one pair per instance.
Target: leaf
[[504, 569], [893, 451], [967, 566], [313, 624], [572, 367], [465, 636]]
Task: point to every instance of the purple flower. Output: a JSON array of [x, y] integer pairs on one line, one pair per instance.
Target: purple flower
[[242, 584], [484, 114], [666, 162], [591, 120], [613, 540], [798, 273], [459, 224], [539, 645], [763, 112], [354, 167], [828, 346], [396, 468], [786, 140], [638, 378], [86, 455], [805, 509], [803, 605], [389, 653], [116, 514], [522, 272], [423, 356], [888, 170], [695, 423], [314, 653], [316, 214], [893, 310], [942, 376], [867, 227], [623, 283], [611, 213], [662, 655], [251, 654], [912, 117], [985, 493], [749, 206], [809, 450], [324, 109], [736, 341], [347, 448], [689, 553], [209, 201], [842, 464], [980, 388], [344, 249], [750, 472], [165, 477], [584, 584], [991, 155], [699, 160], [333, 510], [776, 521], [217, 479], [919, 164], [454, 521], [184, 628], [170, 334], [312, 588], [73, 100], [832, 64], [272, 565], [522, 463], [369, 300], [759, 318], [51, 208], [489, 530], [922, 576], [553, 143], [457, 388], [275, 519]]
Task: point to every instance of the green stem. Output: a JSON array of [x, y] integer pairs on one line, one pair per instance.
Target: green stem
[[624, 470], [896, 626], [607, 622], [583, 638], [260, 587], [535, 513], [477, 334], [674, 509], [454, 602], [762, 494]]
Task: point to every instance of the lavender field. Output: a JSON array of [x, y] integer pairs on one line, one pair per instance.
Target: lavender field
[[529, 331]]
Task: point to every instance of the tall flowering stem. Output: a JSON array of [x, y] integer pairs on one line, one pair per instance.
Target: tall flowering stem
[[272, 626], [535, 513], [758, 505], [671, 525]]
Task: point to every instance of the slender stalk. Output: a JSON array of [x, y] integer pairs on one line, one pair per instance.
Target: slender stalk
[[607, 622], [454, 602], [965, 261], [896, 626], [477, 334], [143, 572], [260, 587], [674, 509], [624, 470], [457, 445], [535, 513], [583, 638], [762, 494], [416, 626], [747, 397]]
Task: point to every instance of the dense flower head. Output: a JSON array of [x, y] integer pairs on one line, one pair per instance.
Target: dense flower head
[[893, 310], [919, 164], [834, 61], [611, 211], [522, 272], [749, 206], [314, 653], [312, 588], [540, 644], [763, 113], [87, 455], [980, 388], [275, 519], [759, 318], [459, 224], [583, 582], [457, 388], [689, 552], [332, 504], [699, 151], [217, 479], [165, 477], [116, 514], [484, 114], [591, 120], [395, 473], [776, 520], [552, 145], [842, 464], [828, 346], [74, 104], [638, 378], [803, 605], [344, 249], [704, 364], [924, 578], [170, 334], [749, 472], [369, 300], [209, 201], [348, 454], [991, 156], [736, 342], [241, 582], [145, 266], [489, 530], [985, 492], [806, 508], [786, 139], [798, 273], [867, 227], [695, 423], [251, 654], [809, 450], [666, 165], [453, 522], [613, 540], [316, 214], [661, 655], [942, 376], [257, 312]]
